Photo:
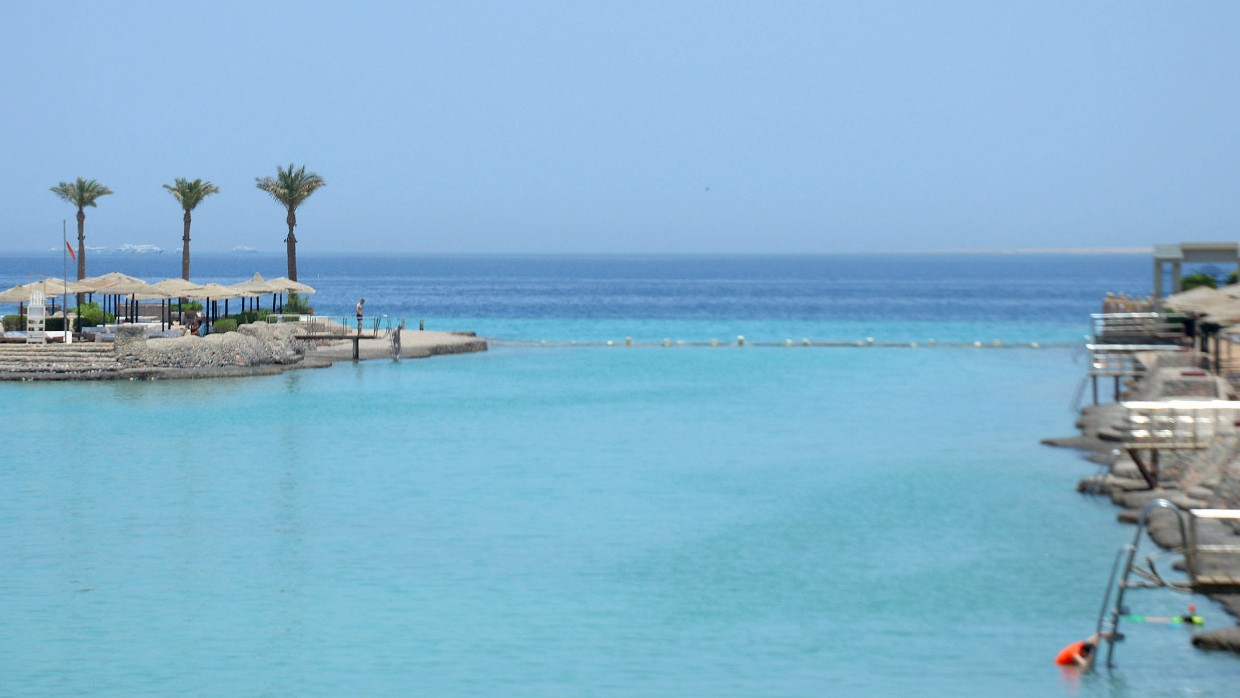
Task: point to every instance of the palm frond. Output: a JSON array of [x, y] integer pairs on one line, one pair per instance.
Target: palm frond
[[81, 193], [290, 187], [190, 194]]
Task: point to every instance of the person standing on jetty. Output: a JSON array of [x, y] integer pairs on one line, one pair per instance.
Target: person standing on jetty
[[396, 339], [359, 315]]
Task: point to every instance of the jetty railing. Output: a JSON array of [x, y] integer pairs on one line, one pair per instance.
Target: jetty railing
[[1178, 424], [1209, 559], [1132, 327], [1150, 427], [1119, 361]]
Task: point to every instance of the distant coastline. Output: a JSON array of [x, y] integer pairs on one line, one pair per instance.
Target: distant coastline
[[1050, 250], [848, 253]]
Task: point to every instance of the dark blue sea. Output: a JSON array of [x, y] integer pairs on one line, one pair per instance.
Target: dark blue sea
[[890, 297], [592, 519]]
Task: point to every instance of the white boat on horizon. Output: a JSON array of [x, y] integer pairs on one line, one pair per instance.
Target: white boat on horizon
[[245, 249], [140, 249]]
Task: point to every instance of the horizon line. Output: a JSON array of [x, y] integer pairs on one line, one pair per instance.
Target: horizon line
[[354, 253]]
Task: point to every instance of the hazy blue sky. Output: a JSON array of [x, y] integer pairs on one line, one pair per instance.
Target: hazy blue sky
[[629, 127]]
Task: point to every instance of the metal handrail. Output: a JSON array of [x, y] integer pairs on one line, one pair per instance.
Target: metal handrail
[[1131, 550]]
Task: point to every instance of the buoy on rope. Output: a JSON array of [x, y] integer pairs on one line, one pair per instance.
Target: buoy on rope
[[805, 341], [977, 345], [628, 341], [1034, 345], [667, 342], [787, 342], [714, 342], [931, 342], [913, 345], [998, 343], [869, 341], [610, 343], [740, 340], [680, 342]]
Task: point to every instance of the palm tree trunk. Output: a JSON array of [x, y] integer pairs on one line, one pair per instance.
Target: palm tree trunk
[[81, 219], [291, 241], [185, 250]]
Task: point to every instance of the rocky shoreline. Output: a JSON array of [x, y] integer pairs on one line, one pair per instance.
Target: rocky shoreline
[[1206, 478], [253, 350]]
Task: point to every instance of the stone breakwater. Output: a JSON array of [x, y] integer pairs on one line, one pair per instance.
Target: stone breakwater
[[251, 345], [257, 349], [1191, 479]]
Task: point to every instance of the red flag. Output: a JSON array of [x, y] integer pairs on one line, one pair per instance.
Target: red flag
[[70, 250]]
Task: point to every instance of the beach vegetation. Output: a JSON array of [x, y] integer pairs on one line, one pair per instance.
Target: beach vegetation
[[189, 194], [297, 305], [81, 193], [91, 315], [224, 325], [251, 316], [290, 188], [1194, 280]]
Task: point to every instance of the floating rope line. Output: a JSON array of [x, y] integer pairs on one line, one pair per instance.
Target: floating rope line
[[869, 342]]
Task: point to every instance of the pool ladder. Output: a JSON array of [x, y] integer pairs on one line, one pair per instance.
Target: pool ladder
[[1127, 572]]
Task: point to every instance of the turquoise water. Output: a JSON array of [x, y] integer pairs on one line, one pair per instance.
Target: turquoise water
[[591, 520], [569, 521]]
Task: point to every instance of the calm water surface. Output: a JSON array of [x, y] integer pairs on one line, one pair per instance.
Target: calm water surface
[[581, 521]]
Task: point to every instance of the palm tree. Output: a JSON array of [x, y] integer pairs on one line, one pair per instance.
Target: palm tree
[[291, 188], [81, 193], [190, 194]]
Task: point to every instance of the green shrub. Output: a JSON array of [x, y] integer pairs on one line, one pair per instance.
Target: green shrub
[[224, 325], [251, 316], [297, 305], [93, 316], [1194, 280], [195, 306]]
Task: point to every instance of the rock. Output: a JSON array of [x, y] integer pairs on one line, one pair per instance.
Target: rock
[[1221, 639], [130, 343], [1137, 499]]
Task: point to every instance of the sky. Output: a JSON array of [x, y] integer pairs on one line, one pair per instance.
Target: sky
[[628, 127]]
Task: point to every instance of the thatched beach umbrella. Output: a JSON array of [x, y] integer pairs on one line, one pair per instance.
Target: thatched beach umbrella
[[285, 284], [1197, 300], [216, 292], [50, 287], [1224, 314], [112, 284], [166, 290], [253, 288]]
